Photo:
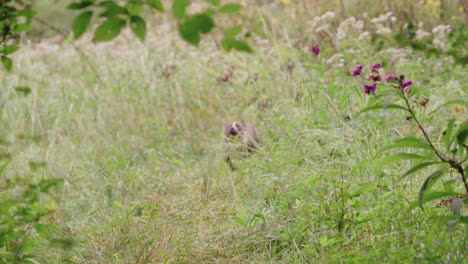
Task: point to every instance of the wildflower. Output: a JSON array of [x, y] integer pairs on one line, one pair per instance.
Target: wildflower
[[358, 70], [404, 85], [315, 49], [376, 78], [424, 101], [389, 77], [370, 88], [376, 66]]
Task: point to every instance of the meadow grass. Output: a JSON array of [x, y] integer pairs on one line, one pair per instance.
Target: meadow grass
[[135, 131]]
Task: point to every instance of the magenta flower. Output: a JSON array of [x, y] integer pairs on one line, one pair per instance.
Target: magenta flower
[[358, 70], [406, 84], [370, 88], [376, 66], [389, 77], [315, 49]]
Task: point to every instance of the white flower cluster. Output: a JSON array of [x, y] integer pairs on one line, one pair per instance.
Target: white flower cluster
[[321, 23], [381, 22], [420, 33], [440, 36], [349, 25], [337, 60]]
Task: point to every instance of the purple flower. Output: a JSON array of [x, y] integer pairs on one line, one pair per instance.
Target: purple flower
[[370, 88], [358, 70], [376, 66], [376, 78], [389, 77], [406, 84], [451, 200], [315, 49]]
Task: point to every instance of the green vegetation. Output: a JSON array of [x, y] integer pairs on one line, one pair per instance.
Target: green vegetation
[[113, 152]]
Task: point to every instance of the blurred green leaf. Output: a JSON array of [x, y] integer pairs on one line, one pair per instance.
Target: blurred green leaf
[[25, 90], [156, 4], [113, 11], [18, 28], [8, 49], [232, 31], [81, 23], [214, 2], [80, 5], [138, 26], [3, 167], [427, 185], [407, 142], [7, 63], [462, 134], [179, 7], [419, 167], [134, 7], [230, 43], [398, 157], [381, 106], [230, 8], [447, 134], [109, 29], [192, 27], [189, 33]]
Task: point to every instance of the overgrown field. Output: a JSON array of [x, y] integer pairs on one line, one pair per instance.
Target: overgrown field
[[133, 132]]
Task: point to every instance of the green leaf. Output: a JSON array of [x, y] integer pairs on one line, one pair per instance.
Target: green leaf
[[382, 106], [113, 11], [447, 134], [7, 63], [365, 187], [214, 2], [8, 49], [419, 167], [134, 7], [230, 43], [81, 23], [25, 90], [3, 167], [462, 134], [232, 31], [156, 4], [398, 157], [178, 8], [427, 185], [18, 28], [190, 33], [138, 26], [407, 142], [204, 22], [109, 29], [80, 5], [230, 8]]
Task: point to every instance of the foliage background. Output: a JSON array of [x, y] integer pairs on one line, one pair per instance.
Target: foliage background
[[133, 129]]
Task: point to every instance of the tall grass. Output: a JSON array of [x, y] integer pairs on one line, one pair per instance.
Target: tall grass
[[136, 134]]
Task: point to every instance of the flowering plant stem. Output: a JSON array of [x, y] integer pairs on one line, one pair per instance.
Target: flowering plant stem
[[453, 163]]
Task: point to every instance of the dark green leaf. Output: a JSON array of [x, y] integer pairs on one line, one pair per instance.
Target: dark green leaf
[[427, 185], [134, 7], [80, 5], [113, 10], [230, 8], [232, 32], [178, 9], [156, 4], [204, 22], [419, 167], [407, 142], [25, 90], [7, 63], [10, 49], [382, 106], [462, 134], [138, 26], [81, 23], [230, 43], [109, 29], [190, 33]]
